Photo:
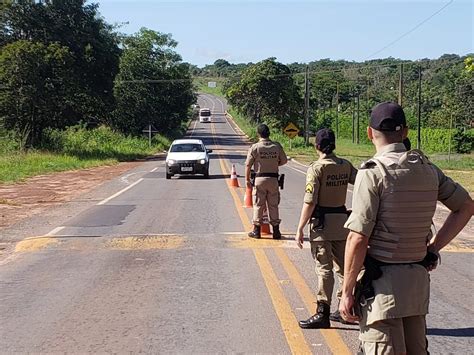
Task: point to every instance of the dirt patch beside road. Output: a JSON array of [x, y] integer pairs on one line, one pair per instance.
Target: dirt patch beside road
[[25, 199]]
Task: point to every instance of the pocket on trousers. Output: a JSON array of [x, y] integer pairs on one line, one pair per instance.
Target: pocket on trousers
[[374, 335]]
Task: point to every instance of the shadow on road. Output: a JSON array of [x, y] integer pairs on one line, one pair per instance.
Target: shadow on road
[[454, 332]]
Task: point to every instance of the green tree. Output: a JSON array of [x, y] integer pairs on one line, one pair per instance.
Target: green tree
[[153, 86], [266, 90], [38, 88], [77, 25]]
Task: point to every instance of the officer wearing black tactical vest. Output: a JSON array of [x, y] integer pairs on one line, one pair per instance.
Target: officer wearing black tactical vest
[[394, 200], [324, 207]]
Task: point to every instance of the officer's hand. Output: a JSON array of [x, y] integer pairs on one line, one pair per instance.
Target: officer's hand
[[346, 309], [299, 238], [249, 184]]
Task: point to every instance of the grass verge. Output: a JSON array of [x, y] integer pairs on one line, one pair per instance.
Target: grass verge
[[78, 148]]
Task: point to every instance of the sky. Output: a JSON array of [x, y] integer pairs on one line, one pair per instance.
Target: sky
[[302, 31]]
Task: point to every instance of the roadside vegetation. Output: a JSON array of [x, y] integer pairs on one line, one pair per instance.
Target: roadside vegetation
[[76, 93], [74, 148], [459, 167], [341, 95]]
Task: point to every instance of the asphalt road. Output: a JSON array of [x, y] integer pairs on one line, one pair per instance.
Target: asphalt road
[[145, 264]]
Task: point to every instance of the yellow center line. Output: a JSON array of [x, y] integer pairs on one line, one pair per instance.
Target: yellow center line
[[332, 337], [293, 334]]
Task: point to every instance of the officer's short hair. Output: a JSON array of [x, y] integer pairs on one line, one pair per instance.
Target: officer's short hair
[[263, 130]]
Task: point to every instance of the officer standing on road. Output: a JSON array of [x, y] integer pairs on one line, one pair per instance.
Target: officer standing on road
[[394, 200], [324, 207], [265, 157]]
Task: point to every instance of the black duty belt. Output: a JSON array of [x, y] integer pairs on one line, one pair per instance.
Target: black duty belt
[[364, 291], [273, 175], [320, 212]]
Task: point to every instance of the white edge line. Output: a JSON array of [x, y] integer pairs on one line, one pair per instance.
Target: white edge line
[[54, 231], [120, 192], [152, 170], [290, 167]]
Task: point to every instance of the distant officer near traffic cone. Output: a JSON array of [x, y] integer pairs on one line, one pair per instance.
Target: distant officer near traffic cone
[[265, 157], [234, 182]]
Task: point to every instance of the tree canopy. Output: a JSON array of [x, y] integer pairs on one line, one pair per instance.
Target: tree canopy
[[266, 90], [153, 86]]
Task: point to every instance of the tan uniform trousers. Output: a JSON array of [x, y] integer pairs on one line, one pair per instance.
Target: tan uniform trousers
[[328, 255], [395, 336], [266, 193]]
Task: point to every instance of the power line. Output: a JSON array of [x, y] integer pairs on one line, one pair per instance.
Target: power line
[[412, 30]]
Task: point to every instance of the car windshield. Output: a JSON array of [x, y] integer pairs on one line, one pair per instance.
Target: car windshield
[[186, 148], [205, 113]]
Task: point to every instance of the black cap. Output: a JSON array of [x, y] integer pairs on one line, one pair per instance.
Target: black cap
[[387, 116], [324, 137]]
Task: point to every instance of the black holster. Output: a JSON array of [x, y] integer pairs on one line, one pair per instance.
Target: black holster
[[364, 290], [281, 181], [253, 175]]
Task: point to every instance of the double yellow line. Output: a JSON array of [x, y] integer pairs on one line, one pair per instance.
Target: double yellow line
[[293, 333]]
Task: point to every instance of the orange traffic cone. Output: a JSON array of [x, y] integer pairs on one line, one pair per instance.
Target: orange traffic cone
[[265, 225], [234, 182], [248, 203]]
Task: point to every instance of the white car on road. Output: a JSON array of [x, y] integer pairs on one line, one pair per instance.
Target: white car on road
[[187, 156]]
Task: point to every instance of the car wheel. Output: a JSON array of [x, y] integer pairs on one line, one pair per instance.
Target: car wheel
[[206, 174], [168, 176]]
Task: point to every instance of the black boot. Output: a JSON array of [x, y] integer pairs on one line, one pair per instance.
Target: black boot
[[276, 232], [255, 233], [319, 320]]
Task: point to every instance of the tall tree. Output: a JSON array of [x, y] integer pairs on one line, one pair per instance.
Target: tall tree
[[153, 86], [75, 24], [266, 90], [38, 88]]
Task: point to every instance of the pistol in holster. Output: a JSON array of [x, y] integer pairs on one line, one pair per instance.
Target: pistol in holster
[[281, 181], [253, 175], [364, 290]]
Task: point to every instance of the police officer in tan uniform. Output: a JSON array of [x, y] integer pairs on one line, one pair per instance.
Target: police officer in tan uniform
[[265, 157], [394, 200], [324, 207]]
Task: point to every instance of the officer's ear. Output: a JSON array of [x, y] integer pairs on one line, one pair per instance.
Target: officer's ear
[[370, 133], [404, 133]]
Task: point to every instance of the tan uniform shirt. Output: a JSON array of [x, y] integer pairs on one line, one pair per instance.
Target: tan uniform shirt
[[266, 156], [326, 186], [403, 290]]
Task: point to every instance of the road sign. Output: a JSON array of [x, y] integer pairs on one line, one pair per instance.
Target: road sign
[[291, 130], [211, 84], [150, 130]]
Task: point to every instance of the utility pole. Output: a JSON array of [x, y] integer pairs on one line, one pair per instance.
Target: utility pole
[[400, 86], [418, 140], [450, 136], [353, 117], [358, 120], [306, 106], [337, 110]]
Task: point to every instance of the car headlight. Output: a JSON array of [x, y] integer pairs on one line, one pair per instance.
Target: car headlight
[[171, 162], [202, 161]]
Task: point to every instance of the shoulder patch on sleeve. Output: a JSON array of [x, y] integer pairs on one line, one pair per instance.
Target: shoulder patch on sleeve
[[369, 164], [309, 188]]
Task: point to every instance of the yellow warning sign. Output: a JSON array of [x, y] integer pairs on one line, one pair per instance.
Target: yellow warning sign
[[291, 130]]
